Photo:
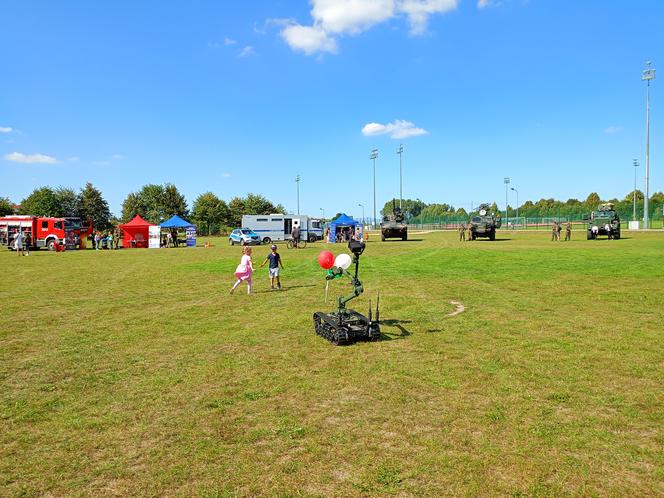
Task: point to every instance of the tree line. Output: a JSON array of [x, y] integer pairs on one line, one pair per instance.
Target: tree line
[[155, 203], [417, 211]]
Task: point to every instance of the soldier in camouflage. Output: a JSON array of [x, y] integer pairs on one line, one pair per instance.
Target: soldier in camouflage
[[568, 231], [462, 232]]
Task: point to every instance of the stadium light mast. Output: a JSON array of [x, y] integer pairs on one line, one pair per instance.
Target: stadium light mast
[[507, 215], [636, 165], [322, 211], [647, 75], [297, 181], [517, 203], [400, 152], [362, 206], [373, 156]]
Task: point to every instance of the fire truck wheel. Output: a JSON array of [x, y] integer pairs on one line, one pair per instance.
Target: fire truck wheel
[[51, 244]]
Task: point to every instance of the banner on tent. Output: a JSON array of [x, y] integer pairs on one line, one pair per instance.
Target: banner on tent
[[191, 236], [154, 236]]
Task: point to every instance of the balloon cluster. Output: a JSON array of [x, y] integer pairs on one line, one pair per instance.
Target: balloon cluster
[[326, 260]]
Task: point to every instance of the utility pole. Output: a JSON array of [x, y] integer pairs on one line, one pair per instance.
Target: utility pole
[[363, 220], [517, 204], [647, 75], [297, 180], [400, 152], [507, 215], [373, 156], [636, 165]]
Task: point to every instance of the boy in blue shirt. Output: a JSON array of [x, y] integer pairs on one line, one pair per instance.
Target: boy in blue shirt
[[275, 262]]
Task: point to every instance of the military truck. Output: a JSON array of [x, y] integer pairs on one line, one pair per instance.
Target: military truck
[[604, 221], [485, 224], [393, 226]]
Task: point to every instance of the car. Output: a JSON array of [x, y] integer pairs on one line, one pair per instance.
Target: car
[[244, 237]]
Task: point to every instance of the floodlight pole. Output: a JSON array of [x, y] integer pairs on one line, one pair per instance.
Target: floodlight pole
[[400, 152], [517, 204], [647, 75], [363, 220], [373, 156], [636, 165], [507, 215], [297, 180], [322, 211]]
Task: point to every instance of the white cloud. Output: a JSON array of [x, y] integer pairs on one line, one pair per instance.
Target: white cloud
[[73, 158], [30, 158], [482, 4], [612, 130], [229, 41], [332, 18], [226, 175], [117, 157], [308, 39], [6, 129], [418, 12], [396, 129], [247, 51]]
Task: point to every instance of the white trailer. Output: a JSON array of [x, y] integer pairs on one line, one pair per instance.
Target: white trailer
[[275, 227]]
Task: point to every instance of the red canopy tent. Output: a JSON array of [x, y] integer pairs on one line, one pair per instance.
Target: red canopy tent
[[136, 232]]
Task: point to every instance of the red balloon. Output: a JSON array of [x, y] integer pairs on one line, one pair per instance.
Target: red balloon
[[326, 260]]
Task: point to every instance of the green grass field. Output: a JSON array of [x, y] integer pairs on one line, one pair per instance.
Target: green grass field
[[136, 373]]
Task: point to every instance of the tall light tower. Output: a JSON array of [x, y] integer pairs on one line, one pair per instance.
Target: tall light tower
[[297, 180], [322, 211], [647, 75], [362, 206], [400, 152], [636, 165], [373, 156], [517, 203], [507, 184]]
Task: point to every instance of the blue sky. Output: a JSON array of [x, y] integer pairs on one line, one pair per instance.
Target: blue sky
[[238, 97]]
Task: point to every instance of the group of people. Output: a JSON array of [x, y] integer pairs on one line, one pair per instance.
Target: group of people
[[244, 271], [463, 229], [557, 228], [109, 239], [170, 239]]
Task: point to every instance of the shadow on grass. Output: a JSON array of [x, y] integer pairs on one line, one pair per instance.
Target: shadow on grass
[[284, 289], [397, 324], [483, 239], [398, 240]]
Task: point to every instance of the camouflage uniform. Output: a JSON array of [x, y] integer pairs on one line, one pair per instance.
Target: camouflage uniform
[[568, 231], [553, 231], [470, 232], [462, 232]]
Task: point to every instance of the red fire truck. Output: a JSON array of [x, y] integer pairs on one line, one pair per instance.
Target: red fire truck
[[44, 231]]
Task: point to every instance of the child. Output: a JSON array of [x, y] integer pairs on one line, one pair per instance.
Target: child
[[244, 270], [275, 262]]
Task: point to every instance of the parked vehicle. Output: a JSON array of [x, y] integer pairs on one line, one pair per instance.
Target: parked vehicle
[[276, 227], [485, 224], [244, 237], [393, 225], [605, 221], [44, 231]]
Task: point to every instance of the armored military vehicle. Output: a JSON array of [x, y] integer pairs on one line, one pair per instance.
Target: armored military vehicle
[[604, 221], [393, 226], [485, 224]]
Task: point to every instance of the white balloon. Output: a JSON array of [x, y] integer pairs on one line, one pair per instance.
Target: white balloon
[[342, 261]]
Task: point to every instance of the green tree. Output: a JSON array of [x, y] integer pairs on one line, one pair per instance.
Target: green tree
[[6, 206], [593, 200], [68, 201], [41, 202], [173, 202], [252, 204], [131, 206], [209, 213], [93, 206]]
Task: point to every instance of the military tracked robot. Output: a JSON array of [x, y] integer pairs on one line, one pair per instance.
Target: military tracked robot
[[345, 326]]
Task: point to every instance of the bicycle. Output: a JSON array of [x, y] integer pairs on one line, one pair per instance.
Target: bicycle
[[300, 244]]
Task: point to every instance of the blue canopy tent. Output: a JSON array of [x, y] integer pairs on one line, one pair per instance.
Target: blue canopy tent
[[343, 221], [190, 229]]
